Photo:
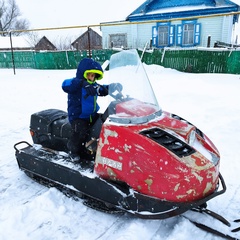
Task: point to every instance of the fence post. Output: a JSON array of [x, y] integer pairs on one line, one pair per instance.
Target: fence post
[[208, 41], [89, 44], [10, 34]]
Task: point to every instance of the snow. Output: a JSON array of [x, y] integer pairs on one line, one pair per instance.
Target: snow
[[180, 9], [32, 211], [19, 42]]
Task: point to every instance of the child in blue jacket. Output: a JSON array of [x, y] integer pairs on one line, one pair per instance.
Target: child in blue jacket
[[83, 91]]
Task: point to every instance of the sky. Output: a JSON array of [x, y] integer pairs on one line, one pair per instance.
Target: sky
[[55, 13]]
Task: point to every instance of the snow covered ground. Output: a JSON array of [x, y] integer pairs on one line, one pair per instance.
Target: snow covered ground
[[32, 211]]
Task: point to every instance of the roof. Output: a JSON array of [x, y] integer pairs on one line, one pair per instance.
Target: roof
[[45, 44], [91, 31], [17, 42], [168, 9]]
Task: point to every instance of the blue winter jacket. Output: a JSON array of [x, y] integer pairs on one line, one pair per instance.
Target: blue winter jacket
[[81, 105]]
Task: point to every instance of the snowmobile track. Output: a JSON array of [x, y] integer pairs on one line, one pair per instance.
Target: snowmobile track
[[106, 208]]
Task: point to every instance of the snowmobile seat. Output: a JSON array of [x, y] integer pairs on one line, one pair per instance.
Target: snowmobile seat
[[51, 129]]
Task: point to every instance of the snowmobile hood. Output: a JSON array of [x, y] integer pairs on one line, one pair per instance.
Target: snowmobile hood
[[89, 65]]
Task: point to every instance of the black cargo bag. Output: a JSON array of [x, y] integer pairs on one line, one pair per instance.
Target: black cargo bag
[[51, 129]]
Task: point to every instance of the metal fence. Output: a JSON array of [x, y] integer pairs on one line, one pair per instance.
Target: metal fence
[[197, 60], [186, 60]]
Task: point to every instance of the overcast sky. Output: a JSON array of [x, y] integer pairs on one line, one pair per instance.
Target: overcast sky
[[56, 13], [61, 13]]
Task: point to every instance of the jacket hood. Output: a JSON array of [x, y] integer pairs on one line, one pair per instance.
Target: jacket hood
[[89, 65]]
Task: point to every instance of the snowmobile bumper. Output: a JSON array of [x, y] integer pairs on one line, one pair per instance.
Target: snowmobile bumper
[[57, 169]]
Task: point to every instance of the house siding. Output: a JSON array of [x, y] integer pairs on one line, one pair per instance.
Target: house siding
[[191, 27], [106, 31], [227, 33], [219, 28], [137, 34], [144, 34]]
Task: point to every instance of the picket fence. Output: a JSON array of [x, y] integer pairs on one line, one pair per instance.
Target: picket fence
[[186, 60]]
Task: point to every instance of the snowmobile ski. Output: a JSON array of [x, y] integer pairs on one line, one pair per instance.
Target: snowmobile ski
[[238, 228], [213, 231], [213, 214]]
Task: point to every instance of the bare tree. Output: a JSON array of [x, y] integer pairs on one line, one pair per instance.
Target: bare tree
[[63, 43], [32, 38], [10, 18]]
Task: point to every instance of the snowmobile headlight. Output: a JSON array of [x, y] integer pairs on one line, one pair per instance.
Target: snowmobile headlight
[[214, 159], [192, 138]]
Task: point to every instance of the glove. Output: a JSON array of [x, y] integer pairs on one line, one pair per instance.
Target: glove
[[115, 87], [91, 89]]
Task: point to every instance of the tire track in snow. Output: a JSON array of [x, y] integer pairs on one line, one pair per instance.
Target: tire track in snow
[[128, 227]]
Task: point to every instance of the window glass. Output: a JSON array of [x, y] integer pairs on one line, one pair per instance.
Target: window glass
[[188, 34], [118, 40], [163, 35]]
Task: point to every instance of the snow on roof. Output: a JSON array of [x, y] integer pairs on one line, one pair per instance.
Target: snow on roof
[[177, 9], [17, 42], [185, 7]]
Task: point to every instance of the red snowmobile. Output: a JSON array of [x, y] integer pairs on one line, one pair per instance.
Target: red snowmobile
[[146, 161]]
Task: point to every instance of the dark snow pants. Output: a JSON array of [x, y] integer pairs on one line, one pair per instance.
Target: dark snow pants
[[80, 134]]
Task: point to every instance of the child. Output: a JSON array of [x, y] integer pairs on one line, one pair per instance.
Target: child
[[82, 103]]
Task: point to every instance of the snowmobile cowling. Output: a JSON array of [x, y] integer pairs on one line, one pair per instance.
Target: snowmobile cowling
[[146, 161]]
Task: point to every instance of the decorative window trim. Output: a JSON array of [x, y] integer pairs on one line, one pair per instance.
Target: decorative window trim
[[171, 35], [196, 33]]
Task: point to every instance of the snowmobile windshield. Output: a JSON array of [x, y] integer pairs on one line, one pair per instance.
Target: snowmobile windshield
[[135, 101]]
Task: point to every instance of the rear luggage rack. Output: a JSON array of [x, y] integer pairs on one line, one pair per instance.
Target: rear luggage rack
[[173, 144]]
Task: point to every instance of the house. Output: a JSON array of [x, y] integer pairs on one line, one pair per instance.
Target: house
[[44, 44], [15, 43], [88, 40], [175, 23]]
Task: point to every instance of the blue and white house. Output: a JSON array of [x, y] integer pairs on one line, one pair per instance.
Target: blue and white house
[[174, 23]]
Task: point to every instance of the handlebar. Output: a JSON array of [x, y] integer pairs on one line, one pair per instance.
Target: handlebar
[[116, 93], [117, 96]]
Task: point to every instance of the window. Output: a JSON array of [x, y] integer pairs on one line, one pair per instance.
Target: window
[[163, 35], [188, 33], [118, 40]]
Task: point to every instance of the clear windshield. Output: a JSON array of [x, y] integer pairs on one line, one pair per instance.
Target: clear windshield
[[136, 102]]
